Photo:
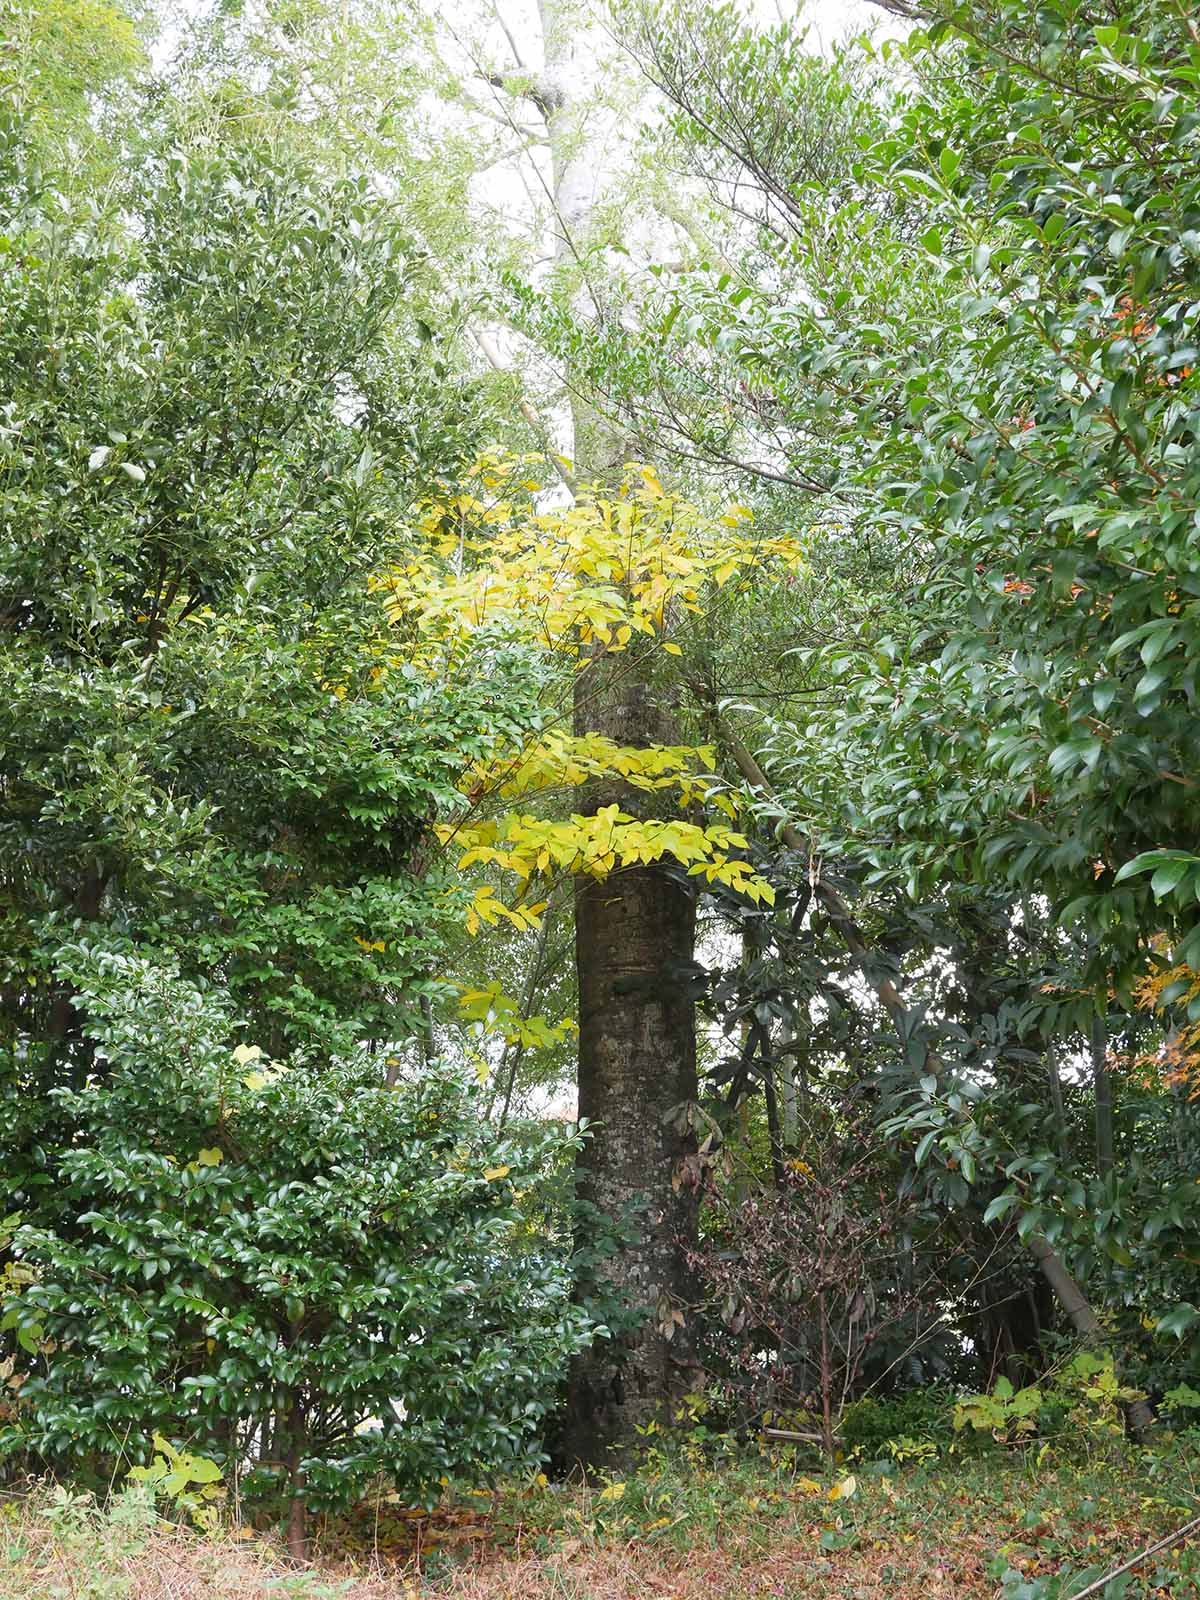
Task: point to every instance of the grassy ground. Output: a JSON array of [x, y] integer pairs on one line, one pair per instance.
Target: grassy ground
[[998, 1526]]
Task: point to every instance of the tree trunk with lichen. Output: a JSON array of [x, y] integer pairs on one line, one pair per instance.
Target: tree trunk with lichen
[[634, 931]]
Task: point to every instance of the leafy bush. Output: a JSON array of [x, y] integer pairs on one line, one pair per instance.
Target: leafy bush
[[869, 1426], [808, 1278], [193, 1483], [1081, 1402], [307, 1273], [1005, 1413]]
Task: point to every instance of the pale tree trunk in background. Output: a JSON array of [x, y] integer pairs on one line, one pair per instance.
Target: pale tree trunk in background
[[789, 1109], [1056, 1094], [1084, 1320], [633, 931]]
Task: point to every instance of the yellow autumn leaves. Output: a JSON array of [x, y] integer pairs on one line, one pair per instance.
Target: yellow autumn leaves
[[844, 1489], [249, 1055], [562, 760], [600, 571], [533, 847], [595, 846], [597, 574]]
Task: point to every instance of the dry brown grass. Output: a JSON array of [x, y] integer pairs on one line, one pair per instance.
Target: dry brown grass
[[174, 1565], [61, 1548], [705, 1534], [170, 1566]]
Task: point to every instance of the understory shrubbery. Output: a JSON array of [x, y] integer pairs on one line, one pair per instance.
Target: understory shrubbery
[[309, 1275], [822, 1285], [872, 1427]]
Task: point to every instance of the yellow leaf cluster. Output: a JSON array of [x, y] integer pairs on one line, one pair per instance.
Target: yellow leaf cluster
[[561, 760], [486, 908], [595, 846], [211, 1157], [249, 1055], [599, 574], [499, 1013], [600, 571]]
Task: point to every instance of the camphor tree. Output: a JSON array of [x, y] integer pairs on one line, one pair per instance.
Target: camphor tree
[[634, 930]]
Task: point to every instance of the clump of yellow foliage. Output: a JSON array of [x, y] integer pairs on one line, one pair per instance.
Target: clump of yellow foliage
[[602, 570], [602, 573]]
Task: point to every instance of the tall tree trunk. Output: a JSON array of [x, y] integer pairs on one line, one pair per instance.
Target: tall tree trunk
[[634, 932], [634, 937], [637, 1072]]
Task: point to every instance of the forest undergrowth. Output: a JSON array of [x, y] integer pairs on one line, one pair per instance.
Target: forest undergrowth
[[599, 813], [1008, 1526]]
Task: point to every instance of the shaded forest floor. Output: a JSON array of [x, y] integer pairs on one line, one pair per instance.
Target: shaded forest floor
[[993, 1526]]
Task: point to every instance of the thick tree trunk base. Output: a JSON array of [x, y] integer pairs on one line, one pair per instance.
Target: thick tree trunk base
[[637, 1079]]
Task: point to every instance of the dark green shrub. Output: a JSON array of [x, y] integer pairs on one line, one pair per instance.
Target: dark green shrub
[[923, 1415], [309, 1276]]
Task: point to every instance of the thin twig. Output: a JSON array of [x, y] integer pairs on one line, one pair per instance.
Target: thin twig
[[1150, 1550]]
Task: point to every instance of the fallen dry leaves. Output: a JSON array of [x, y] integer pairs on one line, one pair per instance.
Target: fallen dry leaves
[[927, 1538]]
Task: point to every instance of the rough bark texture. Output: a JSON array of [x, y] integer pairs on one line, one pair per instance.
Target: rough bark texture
[[637, 1070]]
